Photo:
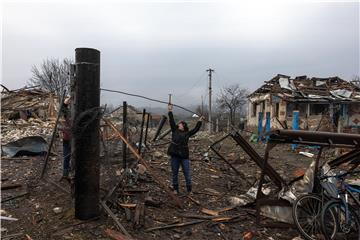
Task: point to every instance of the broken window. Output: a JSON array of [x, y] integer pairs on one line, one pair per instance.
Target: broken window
[[318, 109], [253, 109], [290, 107], [301, 107], [263, 106], [277, 109]]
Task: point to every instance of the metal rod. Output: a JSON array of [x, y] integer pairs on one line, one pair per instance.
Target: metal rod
[[124, 132], [354, 154], [116, 220], [161, 125], [228, 163], [53, 135], [147, 128], [317, 184], [141, 130], [164, 134], [274, 176]]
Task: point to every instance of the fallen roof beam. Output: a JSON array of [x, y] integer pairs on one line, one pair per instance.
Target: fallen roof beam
[[270, 171]]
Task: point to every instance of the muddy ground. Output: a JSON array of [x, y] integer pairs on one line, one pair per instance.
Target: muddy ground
[[213, 183]]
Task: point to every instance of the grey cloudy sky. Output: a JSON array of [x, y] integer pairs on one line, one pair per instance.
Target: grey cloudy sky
[[157, 47]]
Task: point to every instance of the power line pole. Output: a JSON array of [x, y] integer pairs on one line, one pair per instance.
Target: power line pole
[[86, 137], [210, 76]]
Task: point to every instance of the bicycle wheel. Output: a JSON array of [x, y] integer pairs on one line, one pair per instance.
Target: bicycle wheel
[[306, 215], [349, 229]]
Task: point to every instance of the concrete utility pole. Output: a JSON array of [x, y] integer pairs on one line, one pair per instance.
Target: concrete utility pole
[[86, 133], [210, 92]]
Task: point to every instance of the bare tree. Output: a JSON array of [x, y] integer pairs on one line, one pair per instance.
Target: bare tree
[[52, 74], [231, 99]]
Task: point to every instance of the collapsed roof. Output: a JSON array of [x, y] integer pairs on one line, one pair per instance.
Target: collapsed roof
[[42, 104], [27, 112], [302, 88]]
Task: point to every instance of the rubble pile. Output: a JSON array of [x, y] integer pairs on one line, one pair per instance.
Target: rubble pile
[[27, 112], [12, 130], [28, 102], [137, 200]]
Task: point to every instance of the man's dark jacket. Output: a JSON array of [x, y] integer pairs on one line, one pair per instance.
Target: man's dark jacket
[[179, 140]]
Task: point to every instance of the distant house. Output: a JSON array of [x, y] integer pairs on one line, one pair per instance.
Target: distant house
[[324, 104]]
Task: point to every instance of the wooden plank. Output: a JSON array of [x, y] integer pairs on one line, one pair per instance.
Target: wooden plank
[[112, 215], [174, 225], [116, 235], [128, 205], [14, 197], [10, 186]]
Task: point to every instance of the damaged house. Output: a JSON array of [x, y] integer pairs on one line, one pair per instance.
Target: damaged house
[[315, 104], [27, 119]]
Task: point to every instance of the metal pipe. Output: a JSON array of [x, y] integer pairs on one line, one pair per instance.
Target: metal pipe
[[161, 125], [141, 130], [124, 132], [274, 176], [147, 128], [228, 163], [164, 134], [350, 156], [328, 138]]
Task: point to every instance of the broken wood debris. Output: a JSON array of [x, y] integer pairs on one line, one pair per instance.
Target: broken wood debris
[[27, 112], [11, 236], [53, 136], [216, 212], [112, 215], [139, 216], [116, 235], [174, 225], [14, 197], [10, 186], [128, 205], [142, 161]]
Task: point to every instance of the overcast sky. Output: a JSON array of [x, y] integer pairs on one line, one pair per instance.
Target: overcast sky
[[157, 47]]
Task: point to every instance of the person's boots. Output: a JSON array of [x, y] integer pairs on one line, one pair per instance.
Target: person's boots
[[176, 189], [189, 189]]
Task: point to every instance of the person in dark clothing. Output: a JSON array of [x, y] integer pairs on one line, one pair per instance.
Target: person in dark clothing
[[65, 129], [179, 150]]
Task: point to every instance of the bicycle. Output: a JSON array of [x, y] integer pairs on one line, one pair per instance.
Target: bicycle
[[346, 223], [307, 209]]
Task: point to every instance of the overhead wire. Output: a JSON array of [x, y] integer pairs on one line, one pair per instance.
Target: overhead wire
[[147, 98], [192, 87], [164, 102]]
